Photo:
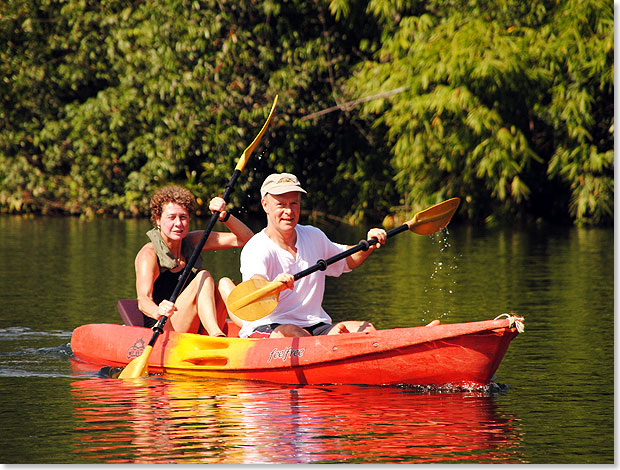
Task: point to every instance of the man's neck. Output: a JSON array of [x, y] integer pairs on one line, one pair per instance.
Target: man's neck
[[286, 240]]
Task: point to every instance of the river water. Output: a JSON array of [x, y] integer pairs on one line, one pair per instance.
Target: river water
[[551, 401]]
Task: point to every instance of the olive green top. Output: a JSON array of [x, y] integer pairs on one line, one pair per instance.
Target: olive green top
[[164, 255]]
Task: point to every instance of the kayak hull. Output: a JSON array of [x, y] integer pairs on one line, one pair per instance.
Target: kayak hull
[[461, 353]]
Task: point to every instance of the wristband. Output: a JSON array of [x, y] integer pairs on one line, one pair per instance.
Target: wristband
[[226, 217]]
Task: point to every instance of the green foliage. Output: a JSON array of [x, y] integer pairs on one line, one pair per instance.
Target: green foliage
[[134, 96], [508, 104], [581, 109], [498, 93]]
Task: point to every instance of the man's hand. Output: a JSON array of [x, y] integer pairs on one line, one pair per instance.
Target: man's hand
[[287, 279], [379, 234]]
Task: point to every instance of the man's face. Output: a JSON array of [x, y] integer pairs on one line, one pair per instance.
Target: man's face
[[282, 210]]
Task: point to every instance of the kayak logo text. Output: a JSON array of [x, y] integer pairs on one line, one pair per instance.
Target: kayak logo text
[[285, 353], [136, 350]]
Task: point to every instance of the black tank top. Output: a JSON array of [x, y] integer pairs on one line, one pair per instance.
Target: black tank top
[[166, 282], [163, 289]]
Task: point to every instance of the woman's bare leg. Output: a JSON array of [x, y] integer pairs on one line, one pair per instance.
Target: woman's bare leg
[[205, 301], [196, 306], [224, 288], [185, 319]]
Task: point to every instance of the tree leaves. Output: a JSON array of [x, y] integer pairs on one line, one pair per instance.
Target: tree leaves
[[508, 104], [486, 99]]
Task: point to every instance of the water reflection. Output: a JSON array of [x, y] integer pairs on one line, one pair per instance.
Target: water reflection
[[205, 421], [559, 409]]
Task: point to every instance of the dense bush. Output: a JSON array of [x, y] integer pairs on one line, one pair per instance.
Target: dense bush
[[508, 104]]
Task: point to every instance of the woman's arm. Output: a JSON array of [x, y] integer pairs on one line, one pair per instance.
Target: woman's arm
[[238, 236], [146, 274]]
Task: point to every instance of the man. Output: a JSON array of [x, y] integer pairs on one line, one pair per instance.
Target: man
[[284, 248]]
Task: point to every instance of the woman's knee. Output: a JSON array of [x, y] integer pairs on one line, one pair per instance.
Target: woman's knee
[[202, 284], [204, 275], [225, 285], [202, 279]]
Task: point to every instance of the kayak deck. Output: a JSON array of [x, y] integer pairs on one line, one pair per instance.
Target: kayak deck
[[436, 354]]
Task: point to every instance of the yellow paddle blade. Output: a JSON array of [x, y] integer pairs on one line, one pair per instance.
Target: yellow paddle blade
[[434, 218], [248, 151], [138, 367], [254, 299]]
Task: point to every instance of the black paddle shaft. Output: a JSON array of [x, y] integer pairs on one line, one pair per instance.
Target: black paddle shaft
[[363, 245], [159, 326]]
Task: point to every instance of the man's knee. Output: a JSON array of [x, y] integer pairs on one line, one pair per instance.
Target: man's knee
[[352, 326], [288, 331]]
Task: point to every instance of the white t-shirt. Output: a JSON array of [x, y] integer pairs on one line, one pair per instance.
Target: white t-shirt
[[302, 305]]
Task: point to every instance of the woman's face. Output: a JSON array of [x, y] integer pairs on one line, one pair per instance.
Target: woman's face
[[174, 221]]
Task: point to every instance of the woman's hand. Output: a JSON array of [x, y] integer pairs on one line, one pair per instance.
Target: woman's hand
[[218, 204], [166, 308]]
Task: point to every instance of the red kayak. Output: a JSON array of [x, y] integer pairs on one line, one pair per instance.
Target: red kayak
[[458, 354]]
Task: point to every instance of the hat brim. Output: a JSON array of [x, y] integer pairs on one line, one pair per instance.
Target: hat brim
[[282, 189]]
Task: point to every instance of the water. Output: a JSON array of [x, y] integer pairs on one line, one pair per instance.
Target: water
[[552, 400]]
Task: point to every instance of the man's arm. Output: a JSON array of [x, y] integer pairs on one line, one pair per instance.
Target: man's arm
[[357, 259]]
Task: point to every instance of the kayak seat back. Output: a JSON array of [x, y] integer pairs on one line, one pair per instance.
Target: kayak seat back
[[132, 316]]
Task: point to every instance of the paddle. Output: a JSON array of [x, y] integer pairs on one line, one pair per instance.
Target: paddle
[[256, 298], [139, 366]]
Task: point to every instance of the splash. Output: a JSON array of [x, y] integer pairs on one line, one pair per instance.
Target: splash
[[490, 389], [441, 283]]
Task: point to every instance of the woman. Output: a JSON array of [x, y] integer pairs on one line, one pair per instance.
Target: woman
[[160, 263]]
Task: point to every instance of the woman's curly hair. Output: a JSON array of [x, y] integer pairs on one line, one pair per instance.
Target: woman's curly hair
[[176, 194]]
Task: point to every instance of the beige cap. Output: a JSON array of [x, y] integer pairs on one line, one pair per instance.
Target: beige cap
[[280, 183]]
